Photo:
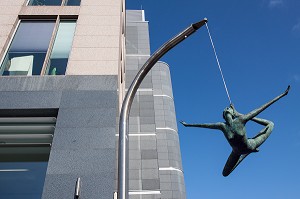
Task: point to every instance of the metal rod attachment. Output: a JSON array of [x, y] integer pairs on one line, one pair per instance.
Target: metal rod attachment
[[127, 102], [77, 188]]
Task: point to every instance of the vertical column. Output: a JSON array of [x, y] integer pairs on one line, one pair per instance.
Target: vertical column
[[83, 145], [168, 147]]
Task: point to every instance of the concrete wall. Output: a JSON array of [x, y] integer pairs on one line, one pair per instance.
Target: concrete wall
[[87, 101], [84, 137], [96, 45], [8, 20], [169, 156], [86, 97]]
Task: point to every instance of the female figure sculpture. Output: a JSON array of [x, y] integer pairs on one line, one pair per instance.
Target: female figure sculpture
[[235, 132]]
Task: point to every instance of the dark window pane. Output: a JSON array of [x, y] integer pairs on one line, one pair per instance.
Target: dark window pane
[[22, 180], [27, 52], [73, 2], [44, 2]]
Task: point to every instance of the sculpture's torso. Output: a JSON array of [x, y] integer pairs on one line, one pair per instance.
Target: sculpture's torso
[[235, 134]]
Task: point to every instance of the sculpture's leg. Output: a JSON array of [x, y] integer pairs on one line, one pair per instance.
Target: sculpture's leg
[[233, 161], [261, 137]]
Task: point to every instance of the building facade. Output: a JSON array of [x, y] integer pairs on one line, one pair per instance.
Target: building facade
[[155, 169], [63, 78]]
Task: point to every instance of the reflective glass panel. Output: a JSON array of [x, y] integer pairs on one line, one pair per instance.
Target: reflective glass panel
[[22, 180], [44, 2], [73, 2], [61, 49], [24, 153], [28, 49]]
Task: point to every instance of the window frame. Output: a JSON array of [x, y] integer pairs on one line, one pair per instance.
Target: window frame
[[63, 3], [50, 47], [57, 19]]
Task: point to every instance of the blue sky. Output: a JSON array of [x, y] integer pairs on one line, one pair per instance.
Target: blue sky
[[258, 45]]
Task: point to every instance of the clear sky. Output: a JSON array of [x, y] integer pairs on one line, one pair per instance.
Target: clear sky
[[258, 45]]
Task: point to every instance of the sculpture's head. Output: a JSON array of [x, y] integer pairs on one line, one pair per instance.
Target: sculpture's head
[[228, 111]]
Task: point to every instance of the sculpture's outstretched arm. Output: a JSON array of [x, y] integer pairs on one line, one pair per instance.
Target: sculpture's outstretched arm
[[255, 112], [218, 125]]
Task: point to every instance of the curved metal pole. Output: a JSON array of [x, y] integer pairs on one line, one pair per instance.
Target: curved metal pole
[[127, 102]]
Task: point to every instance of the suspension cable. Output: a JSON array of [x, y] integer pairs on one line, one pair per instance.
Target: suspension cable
[[213, 46]]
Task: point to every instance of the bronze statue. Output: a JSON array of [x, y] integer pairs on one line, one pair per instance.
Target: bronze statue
[[235, 132]]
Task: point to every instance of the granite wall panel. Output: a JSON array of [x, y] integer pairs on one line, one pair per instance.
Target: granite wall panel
[[84, 139]]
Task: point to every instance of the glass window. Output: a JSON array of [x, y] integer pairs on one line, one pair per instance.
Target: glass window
[[19, 183], [44, 2], [73, 2], [61, 49], [53, 2], [24, 151], [28, 49]]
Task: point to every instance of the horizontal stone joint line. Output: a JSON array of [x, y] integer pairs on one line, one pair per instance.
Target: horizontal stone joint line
[[164, 96], [170, 169], [166, 128], [144, 192]]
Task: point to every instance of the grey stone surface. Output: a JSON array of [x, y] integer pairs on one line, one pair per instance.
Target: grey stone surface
[[92, 186], [166, 186], [86, 117], [146, 104], [150, 174], [149, 154], [135, 164], [165, 178], [135, 184], [134, 154], [164, 163], [134, 128], [148, 145], [166, 194], [83, 138], [53, 83], [147, 127], [163, 156], [88, 99], [29, 99], [81, 162], [134, 145], [150, 184], [135, 174], [154, 113], [149, 164], [63, 184], [134, 120], [147, 113]]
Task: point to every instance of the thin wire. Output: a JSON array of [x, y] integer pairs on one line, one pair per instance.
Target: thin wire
[[212, 43]]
